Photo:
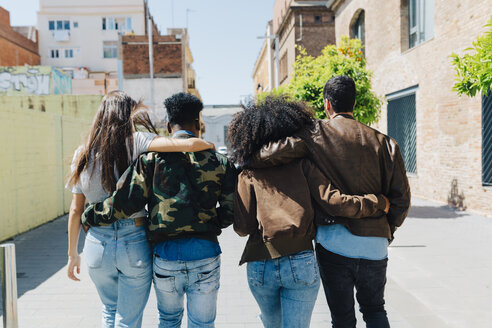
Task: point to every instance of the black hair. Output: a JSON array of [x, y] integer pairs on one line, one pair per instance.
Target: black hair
[[183, 108], [270, 120], [340, 92]]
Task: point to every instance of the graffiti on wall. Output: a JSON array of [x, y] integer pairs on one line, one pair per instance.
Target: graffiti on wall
[[34, 80], [62, 82]]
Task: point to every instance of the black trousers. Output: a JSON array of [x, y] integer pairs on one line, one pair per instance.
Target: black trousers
[[340, 275]]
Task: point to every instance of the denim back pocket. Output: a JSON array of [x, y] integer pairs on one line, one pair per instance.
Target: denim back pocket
[[93, 251], [208, 281], [139, 253], [256, 273], [164, 283], [304, 268]]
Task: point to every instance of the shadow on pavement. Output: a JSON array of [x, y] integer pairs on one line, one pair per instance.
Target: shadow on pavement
[[434, 212], [40, 253]]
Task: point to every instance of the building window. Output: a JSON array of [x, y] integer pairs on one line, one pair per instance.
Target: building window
[[317, 19], [68, 53], [283, 67], [420, 21], [75, 24], [487, 140], [357, 29], [123, 24], [402, 125], [60, 25], [54, 53], [110, 49]]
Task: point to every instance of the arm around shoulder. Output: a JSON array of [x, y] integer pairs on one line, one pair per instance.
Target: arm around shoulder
[[279, 152], [167, 144]]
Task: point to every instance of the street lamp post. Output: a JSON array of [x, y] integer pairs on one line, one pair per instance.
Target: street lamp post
[[276, 37]]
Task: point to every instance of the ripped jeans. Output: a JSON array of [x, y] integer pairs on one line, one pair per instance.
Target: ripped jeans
[[285, 289], [119, 261]]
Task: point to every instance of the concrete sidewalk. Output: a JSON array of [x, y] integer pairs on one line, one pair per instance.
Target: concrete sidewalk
[[439, 275]]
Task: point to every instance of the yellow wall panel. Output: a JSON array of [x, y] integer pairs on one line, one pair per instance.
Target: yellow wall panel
[[38, 137]]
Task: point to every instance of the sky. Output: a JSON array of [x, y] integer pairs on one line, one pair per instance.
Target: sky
[[223, 39]]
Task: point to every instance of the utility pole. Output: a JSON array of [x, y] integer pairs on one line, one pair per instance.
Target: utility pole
[[151, 54]]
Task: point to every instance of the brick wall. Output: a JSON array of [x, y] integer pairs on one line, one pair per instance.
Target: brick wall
[[16, 50], [448, 126], [167, 56], [4, 17], [318, 30], [316, 35]]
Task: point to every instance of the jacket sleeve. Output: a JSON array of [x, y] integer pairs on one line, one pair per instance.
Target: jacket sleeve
[[225, 211], [398, 190], [245, 221], [335, 203], [279, 153], [131, 196]]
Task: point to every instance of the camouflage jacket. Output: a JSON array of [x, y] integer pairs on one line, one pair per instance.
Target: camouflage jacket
[[181, 190]]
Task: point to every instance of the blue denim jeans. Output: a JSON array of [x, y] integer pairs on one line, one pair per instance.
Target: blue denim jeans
[[199, 280], [119, 261], [285, 289], [340, 275]]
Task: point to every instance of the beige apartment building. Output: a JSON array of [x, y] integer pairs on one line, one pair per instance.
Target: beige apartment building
[[76, 33], [309, 24], [446, 140]]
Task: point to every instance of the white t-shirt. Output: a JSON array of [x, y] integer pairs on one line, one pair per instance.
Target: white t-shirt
[[90, 182]]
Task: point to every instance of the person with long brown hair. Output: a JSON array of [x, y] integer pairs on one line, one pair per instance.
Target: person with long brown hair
[[118, 256]]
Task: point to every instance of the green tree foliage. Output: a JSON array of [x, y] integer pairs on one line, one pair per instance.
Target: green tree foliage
[[474, 68], [311, 73]]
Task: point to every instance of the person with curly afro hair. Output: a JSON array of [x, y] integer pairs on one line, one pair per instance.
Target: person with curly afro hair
[[276, 207]]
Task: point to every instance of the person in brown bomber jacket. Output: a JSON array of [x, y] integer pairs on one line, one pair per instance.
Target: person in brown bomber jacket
[[275, 206], [358, 160]]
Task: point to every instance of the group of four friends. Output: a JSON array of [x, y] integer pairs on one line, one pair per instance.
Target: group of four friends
[[157, 205]]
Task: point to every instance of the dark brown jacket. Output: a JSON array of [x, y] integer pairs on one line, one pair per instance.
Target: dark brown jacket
[[358, 160], [275, 206]]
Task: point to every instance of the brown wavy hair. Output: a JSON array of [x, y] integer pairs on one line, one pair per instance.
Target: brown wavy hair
[[111, 137]]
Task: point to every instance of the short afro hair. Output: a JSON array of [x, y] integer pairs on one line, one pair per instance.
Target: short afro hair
[[269, 120], [340, 92], [183, 108]]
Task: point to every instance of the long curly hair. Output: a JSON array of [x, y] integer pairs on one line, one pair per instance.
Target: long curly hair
[[272, 119]]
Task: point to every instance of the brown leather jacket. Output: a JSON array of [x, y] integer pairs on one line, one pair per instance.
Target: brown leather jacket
[[358, 160], [275, 206]]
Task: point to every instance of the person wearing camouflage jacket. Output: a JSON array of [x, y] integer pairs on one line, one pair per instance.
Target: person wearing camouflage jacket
[[182, 191]]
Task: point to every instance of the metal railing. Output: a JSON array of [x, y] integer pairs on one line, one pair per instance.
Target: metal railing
[[9, 285]]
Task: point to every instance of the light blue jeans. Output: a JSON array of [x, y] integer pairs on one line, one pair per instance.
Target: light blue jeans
[[119, 261], [199, 280], [285, 289]]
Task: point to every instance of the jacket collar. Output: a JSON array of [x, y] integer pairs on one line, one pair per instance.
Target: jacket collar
[[343, 115]]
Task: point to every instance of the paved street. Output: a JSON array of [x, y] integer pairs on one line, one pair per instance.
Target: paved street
[[439, 275]]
